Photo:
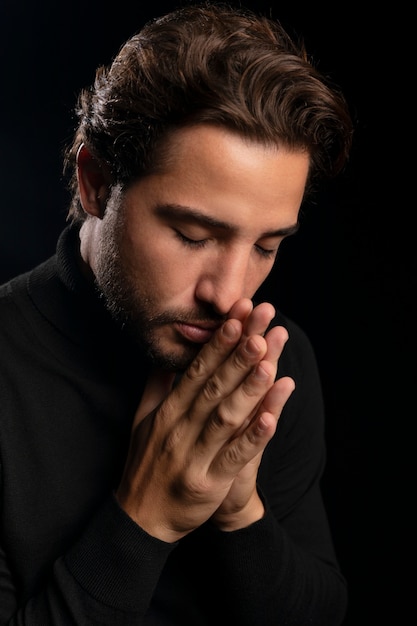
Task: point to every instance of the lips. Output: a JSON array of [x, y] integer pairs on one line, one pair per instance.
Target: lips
[[195, 333]]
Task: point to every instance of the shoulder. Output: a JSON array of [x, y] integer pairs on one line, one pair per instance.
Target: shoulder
[[10, 293], [18, 311], [298, 356]]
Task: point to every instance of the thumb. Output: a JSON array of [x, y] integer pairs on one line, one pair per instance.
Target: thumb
[[158, 386]]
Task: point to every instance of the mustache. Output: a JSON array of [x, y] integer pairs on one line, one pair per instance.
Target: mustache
[[200, 316]]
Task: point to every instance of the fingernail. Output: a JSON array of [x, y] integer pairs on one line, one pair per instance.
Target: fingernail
[[229, 330], [252, 347], [260, 373]]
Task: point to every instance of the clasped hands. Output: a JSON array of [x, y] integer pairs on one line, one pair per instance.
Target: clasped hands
[[196, 447]]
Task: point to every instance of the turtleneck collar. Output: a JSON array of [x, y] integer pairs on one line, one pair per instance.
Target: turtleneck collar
[[72, 305]]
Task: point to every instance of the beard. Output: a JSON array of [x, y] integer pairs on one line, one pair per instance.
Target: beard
[[129, 302]]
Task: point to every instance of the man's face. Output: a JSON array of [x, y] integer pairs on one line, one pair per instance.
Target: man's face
[[175, 251]]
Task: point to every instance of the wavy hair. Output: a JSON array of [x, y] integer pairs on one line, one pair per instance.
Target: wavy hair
[[208, 64]]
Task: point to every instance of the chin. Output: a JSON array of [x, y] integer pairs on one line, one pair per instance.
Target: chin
[[173, 360]]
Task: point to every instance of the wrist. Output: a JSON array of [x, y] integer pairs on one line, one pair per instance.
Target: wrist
[[236, 520]]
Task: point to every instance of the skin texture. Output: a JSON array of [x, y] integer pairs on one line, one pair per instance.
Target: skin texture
[[178, 256]]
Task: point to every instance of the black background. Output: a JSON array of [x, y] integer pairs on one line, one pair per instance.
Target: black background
[[347, 278]]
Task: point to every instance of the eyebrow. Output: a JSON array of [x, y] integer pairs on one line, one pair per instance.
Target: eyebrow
[[191, 215]]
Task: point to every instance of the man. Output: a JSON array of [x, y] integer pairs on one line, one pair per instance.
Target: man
[[157, 465]]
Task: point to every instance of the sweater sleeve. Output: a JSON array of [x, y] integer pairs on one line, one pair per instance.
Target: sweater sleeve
[[283, 569], [107, 577], [57, 450], [261, 576]]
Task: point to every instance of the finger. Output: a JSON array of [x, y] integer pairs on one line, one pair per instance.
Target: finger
[[236, 410], [241, 450], [201, 409], [276, 339], [216, 351], [276, 398], [211, 356], [231, 374], [260, 318], [241, 309], [255, 320]]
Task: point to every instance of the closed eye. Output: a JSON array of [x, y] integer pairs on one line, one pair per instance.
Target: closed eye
[[265, 253], [192, 243]]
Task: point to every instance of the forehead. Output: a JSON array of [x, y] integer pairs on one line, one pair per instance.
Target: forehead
[[230, 178], [211, 144]]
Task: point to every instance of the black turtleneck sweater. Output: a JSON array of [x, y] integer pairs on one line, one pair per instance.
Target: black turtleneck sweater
[[70, 382]]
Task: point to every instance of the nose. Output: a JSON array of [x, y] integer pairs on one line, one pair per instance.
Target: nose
[[224, 280]]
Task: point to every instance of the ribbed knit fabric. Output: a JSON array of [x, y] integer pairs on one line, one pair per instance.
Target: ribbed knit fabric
[[69, 556]]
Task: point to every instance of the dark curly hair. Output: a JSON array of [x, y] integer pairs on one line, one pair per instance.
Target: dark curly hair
[[208, 64]]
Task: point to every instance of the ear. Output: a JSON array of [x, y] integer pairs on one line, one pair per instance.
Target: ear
[[93, 183]]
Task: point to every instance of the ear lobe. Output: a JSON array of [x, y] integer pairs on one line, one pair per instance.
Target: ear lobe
[[93, 183]]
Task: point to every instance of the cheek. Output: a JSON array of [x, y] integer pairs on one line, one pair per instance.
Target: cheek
[[258, 277], [161, 270]]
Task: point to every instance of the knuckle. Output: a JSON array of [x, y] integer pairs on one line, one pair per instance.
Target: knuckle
[[224, 418], [233, 455], [254, 387], [249, 352], [213, 389], [196, 371], [195, 489], [240, 360], [251, 391]]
